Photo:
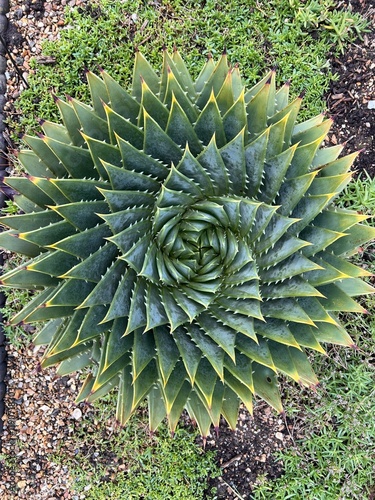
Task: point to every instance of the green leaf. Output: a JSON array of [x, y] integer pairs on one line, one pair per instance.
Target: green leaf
[[337, 300], [70, 293], [22, 277], [31, 190], [209, 348], [235, 119], [91, 269], [286, 309], [340, 166], [90, 123], [356, 236], [158, 144], [205, 380], [83, 244], [31, 221], [125, 396], [312, 133], [198, 412], [256, 351], [338, 219], [225, 98], [155, 311], [292, 287], [241, 369], [122, 179], [71, 122], [154, 107], [120, 100], [167, 352], [77, 190], [41, 149], [294, 265], [326, 155], [243, 392], [192, 169], [104, 291], [233, 155], [180, 129], [76, 160], [33, 165], [47, 236], [275, 229], [82, 215], [276, 143], [265, 385], [177, 181], [274, 172], [143, 383], [143, 71], [182, 74], [315, 310], [284, 247], [305, 371], [237, 322], [209, 124], [205, 74], [179, 403], [231, 405], [333, 334], [143, 352], [277, 330], [139, 161], [49, 331], [115, 353], [119, 126], [222, 335], [305, 336], [215, 81], [175, 313], [120, 305], [307, 209], [174, 91], [320, 238], [292, 191], [99, 93], [37, 300], [99, 150], [156, 407], [256, 110], [137, 312]]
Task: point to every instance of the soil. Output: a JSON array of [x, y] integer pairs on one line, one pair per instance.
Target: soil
[[351, 99], [40, 418]]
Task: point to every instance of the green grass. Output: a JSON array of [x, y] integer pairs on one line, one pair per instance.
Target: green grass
[[132, 463], [295, 35]]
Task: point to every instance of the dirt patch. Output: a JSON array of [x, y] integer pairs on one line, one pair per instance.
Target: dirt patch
[[351, 99]]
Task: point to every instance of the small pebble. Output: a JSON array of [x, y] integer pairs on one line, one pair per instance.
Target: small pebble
[[77, 414]]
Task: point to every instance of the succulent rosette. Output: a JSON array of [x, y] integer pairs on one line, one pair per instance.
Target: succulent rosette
[[183, 243]]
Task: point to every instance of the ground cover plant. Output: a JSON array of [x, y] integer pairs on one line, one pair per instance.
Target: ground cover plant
[[85, 64]]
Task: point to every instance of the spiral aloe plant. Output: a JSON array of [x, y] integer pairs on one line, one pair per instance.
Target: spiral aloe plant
[[183, 243]]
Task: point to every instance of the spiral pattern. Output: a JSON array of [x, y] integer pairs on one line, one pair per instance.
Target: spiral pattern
[[183, 241]]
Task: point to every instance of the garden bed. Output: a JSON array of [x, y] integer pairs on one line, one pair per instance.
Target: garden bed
[[45, 434]]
